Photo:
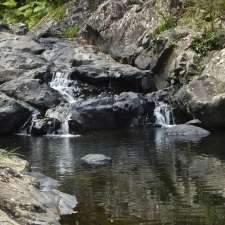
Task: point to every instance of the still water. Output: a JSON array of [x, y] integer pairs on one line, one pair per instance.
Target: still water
[[153, 179]]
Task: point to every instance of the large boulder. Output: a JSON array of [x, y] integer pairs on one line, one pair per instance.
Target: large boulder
[[113, 112], [12, 114], [19, 58], [204, 97], [169, 56], [33, 92], [101, 70]]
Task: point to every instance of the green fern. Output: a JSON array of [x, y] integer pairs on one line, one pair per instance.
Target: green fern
[[29, 12]]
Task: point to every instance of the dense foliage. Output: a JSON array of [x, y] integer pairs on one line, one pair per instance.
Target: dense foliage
[[208, 42], [27, 11]]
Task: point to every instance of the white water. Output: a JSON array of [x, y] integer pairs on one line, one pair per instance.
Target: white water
[[61, 82], [163, 114], [24, 130]]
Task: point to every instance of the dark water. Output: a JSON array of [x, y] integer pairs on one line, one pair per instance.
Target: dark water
[[153, 180]]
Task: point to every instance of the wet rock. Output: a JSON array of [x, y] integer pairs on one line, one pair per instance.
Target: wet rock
[[40, 127], [187, 130], [109, 112], [96, 159], [12, 114], [33, 92], [45, 183]]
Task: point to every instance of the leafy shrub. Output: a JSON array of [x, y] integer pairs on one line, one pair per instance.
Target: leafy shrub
[[70, 31], [208, 42], [28, 11]]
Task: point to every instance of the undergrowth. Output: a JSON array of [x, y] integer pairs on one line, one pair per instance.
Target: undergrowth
[[30, 12]]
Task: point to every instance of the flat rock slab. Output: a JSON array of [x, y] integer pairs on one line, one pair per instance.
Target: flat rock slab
[[6, 220], [22, 199], [96, 159]]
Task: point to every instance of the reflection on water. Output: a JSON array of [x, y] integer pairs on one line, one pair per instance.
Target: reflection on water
[[153, 180]]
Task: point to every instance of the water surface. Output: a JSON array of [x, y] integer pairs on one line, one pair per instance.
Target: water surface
[[153, 179]]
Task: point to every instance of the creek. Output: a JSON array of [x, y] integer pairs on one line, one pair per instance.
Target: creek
[[153, 179]]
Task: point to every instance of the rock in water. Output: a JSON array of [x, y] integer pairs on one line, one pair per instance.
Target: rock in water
[[109, 112], [96, 159], [187, 130], [44, 126]]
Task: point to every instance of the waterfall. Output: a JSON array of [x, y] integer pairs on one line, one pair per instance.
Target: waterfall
[[25, 130], [63, 114], [163, 114], [61, 82]]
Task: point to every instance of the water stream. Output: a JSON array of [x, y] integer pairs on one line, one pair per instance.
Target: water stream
[[62, 83], [163, 114]]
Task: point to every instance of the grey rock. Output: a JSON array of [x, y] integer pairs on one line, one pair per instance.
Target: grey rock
[[33, 92], [44, 126], [187, 130], [204, 97], [109, 112], [23, 43], [18, 28], [12, 114], [100, 69], [96, 159], [30, 205], [18, 58]]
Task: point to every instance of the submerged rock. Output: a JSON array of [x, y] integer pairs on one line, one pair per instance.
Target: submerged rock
[[186, 130], [96, 159]]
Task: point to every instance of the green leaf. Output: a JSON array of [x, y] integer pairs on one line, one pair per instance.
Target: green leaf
[[9, 4]]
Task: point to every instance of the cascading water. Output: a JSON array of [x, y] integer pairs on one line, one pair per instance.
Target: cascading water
[[163, 114], [61, 82], [26, 128]]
